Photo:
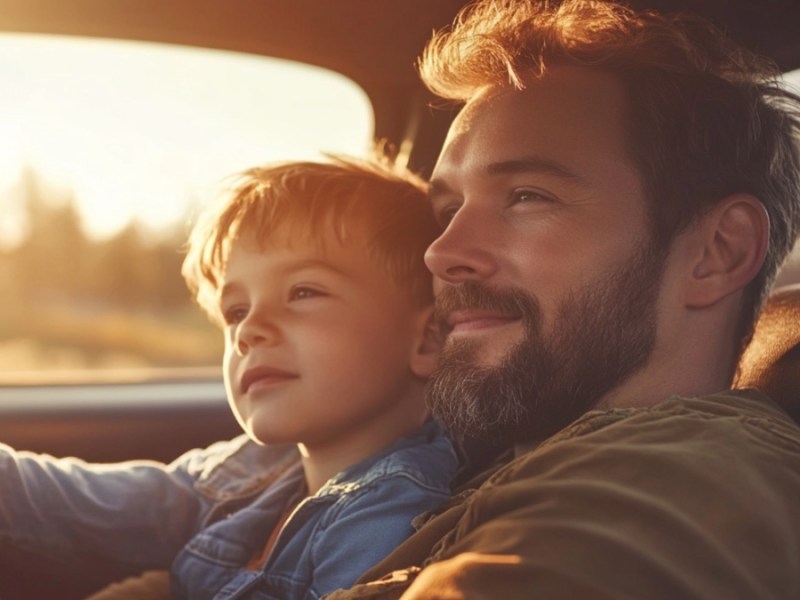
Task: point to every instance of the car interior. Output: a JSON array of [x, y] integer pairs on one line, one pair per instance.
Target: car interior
[[160, 413], [771, 362]]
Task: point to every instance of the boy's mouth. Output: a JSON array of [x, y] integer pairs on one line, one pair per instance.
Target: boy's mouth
[[265, 376]]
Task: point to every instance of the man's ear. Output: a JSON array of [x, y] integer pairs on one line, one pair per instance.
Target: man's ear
[[733, 240], [425, 354]]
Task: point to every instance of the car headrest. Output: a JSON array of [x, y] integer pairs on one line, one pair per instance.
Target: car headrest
[[771, 362]]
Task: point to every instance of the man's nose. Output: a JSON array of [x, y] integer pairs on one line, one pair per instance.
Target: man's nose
[[465, 250]]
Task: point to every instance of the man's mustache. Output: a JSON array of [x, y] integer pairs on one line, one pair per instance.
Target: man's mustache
[[472, 295]]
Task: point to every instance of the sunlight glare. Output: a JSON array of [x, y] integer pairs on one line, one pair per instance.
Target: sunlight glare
[[142, 130]]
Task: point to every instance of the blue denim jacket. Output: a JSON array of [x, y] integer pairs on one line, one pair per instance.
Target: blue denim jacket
[[209, 512]]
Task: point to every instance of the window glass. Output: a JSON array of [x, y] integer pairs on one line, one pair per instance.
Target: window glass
[[108, 150]]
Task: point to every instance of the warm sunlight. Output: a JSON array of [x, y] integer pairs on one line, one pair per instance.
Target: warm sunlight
[[139, 130], [107, 149]]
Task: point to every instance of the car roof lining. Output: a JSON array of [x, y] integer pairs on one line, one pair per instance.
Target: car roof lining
[[335, 35]]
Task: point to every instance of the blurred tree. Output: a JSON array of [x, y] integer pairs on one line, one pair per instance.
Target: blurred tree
[[51, 260], [121, 296]]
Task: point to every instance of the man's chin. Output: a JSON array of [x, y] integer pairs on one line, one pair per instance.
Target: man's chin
[[487, 350]]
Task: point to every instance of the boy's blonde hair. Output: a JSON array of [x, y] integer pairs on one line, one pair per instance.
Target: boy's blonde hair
[[372, 203]]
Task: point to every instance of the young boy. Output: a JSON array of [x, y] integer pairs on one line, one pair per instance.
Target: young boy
[[315, 273]]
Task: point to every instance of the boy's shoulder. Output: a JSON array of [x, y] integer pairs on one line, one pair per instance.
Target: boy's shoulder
[[238, 467], [426, 457]]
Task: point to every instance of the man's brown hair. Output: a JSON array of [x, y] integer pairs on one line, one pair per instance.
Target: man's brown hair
[[706, 118]]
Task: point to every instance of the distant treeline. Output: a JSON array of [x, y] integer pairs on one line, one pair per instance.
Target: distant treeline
[[135, 269], [64, 289]]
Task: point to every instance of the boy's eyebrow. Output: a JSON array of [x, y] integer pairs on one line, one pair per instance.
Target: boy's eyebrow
[[315, 263], [528, 164], [438, 187], [286, 269], [226, 290]]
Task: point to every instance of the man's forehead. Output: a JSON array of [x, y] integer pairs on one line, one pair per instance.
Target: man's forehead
[[571, 113], [466, 117]]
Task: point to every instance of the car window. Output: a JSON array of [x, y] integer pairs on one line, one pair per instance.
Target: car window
[[108, 150]]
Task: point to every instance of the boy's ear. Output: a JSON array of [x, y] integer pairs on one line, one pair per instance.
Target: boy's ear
[[733, 240], [425, 353]]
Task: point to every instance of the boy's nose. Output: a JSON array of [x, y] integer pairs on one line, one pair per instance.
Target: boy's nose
[[254, 331]]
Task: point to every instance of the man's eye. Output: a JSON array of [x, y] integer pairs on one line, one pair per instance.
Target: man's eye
[[234, 315], [303, 292], [529, 195]]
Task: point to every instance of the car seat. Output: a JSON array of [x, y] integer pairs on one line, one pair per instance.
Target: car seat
[[771, 362]]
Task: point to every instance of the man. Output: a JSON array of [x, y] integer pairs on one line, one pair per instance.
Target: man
[[616, 194]]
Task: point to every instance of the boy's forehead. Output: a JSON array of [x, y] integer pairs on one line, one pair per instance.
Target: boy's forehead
[[346, 252], [303, 237]]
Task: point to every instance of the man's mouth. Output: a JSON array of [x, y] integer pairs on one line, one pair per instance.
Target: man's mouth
[[472, 307], [476, 320], [260, 377]]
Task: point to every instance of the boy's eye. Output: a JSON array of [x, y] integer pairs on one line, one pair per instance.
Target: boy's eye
[[234, 315], [445, 214], [303, 292]]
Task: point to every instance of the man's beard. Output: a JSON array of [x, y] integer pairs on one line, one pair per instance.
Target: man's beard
[[602, 335]]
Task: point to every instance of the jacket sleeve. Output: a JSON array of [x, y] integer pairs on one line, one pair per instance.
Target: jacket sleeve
[[366, 529], [130, 516], [653, 507]]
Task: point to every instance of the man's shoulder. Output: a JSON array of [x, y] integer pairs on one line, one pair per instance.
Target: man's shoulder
[[684, 474], [645, 477], [680, 430], [745, 404]]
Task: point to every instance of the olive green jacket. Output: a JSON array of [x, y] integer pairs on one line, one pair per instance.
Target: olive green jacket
[[691, 498]]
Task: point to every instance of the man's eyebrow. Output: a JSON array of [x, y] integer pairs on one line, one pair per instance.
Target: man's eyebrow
[[533, 164]]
